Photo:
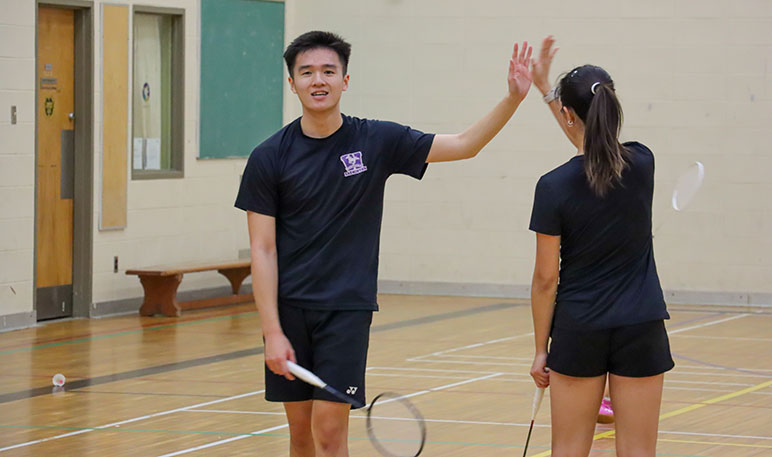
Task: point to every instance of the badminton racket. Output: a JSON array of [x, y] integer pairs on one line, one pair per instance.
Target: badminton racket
[[686, 187], [394, 425], [538, 396]]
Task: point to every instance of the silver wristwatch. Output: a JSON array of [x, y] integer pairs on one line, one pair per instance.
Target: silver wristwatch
[[551, 95]]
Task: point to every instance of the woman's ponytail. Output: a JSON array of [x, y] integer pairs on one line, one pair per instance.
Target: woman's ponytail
[[604, 156], [589, 91]]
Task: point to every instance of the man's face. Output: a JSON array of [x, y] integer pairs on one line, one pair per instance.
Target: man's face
[[318, 79]]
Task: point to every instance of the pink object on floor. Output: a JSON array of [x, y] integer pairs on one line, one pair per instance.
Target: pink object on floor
[[606, 413]]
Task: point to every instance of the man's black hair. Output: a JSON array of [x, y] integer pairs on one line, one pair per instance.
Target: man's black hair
[[315, 40]]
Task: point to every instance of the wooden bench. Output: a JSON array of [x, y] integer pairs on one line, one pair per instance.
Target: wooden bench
[[160, 284]]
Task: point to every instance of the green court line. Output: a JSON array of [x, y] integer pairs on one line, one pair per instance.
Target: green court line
[[286, 435], [129, 332]]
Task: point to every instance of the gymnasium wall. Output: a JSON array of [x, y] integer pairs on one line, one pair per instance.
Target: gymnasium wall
[[171, 221], [168, 220], [695, 80]]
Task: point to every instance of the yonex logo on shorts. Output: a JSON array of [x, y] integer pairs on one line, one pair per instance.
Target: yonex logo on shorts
[[353, 163], [352, 390]]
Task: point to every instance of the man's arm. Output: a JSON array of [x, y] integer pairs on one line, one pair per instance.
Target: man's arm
[[468, 143], [543, 290], [541, 71], [265, 281]]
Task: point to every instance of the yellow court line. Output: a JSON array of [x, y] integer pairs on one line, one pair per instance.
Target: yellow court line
[[716, 400], [713, 443], [687, 409]]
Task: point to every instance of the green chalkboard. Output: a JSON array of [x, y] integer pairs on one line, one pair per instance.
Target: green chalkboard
[[242, 43]]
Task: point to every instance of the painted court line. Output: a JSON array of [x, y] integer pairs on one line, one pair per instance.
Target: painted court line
[[127, 421], [696, 406], [493, 423], [687, 409], [278, 427], [678, 367], [227, 440], [526, 375], [126, 331], [487, 357], [470, 363], [722, 368], [470, 346], [707, 324], [690, 408], [717, 443], [671, 373], [733, 338], [716, 435]]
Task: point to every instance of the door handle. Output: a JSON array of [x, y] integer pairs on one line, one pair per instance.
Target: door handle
[[71, 116]]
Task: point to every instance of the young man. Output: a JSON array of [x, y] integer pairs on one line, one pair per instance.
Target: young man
[[313, 193]]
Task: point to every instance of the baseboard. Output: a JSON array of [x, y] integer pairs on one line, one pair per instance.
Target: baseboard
[[740, 300], [18, 321], [733, 301], [453, 289], [719, 298], [131, 305]]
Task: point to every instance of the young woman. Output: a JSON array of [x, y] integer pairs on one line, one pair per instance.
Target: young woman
[[596, 295]]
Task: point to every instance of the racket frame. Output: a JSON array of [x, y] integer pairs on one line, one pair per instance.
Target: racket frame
[[310, 378], [419, 419], [538, 396], [678, 190]]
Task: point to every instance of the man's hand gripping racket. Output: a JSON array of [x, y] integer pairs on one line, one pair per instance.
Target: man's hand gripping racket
[[395, 426]]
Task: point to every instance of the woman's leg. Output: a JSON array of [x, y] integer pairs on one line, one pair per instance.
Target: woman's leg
[[574, 404], [636, 410]]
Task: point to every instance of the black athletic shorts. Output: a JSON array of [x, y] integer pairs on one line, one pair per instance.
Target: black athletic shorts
[[332, 345], [635, 351]]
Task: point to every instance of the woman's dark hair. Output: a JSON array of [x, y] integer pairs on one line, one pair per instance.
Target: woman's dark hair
[[315, 40], [589, 91]]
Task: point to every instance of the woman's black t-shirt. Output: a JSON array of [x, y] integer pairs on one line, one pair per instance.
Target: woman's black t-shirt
[[608, 277]]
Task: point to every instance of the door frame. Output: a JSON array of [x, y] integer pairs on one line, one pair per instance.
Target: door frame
[[83, 205]]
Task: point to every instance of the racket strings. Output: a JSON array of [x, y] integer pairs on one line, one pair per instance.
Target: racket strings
[[395, 426], [687, 186]]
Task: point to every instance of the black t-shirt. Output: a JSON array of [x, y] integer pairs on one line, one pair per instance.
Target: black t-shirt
[[608, 277], [327, 197]]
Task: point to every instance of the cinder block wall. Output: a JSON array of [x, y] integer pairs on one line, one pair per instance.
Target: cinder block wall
[[695, 80]]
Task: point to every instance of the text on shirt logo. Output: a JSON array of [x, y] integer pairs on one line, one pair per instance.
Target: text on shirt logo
[[353, 163]]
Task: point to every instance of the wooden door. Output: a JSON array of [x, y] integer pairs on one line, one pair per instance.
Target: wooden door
[[55, 162]]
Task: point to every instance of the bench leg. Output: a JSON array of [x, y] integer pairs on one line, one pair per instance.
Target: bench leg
[[236, 276], [160, 295]]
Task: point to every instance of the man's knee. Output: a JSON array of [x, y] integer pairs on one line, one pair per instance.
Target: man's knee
[[301, 436], [299, 419], [330, 426]]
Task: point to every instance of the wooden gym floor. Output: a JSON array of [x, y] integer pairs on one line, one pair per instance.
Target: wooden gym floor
[[139, 386]]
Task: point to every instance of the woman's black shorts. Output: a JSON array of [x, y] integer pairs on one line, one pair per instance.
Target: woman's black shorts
[[634, 351]]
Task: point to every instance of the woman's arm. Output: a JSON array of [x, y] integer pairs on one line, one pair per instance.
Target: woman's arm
[[540, 72], [543, 290]]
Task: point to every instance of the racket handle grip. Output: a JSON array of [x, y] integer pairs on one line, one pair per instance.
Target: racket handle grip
[[305, 375], [538, 396]]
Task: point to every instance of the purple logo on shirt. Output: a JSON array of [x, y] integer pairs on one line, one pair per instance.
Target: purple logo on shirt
[[353, 163]]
